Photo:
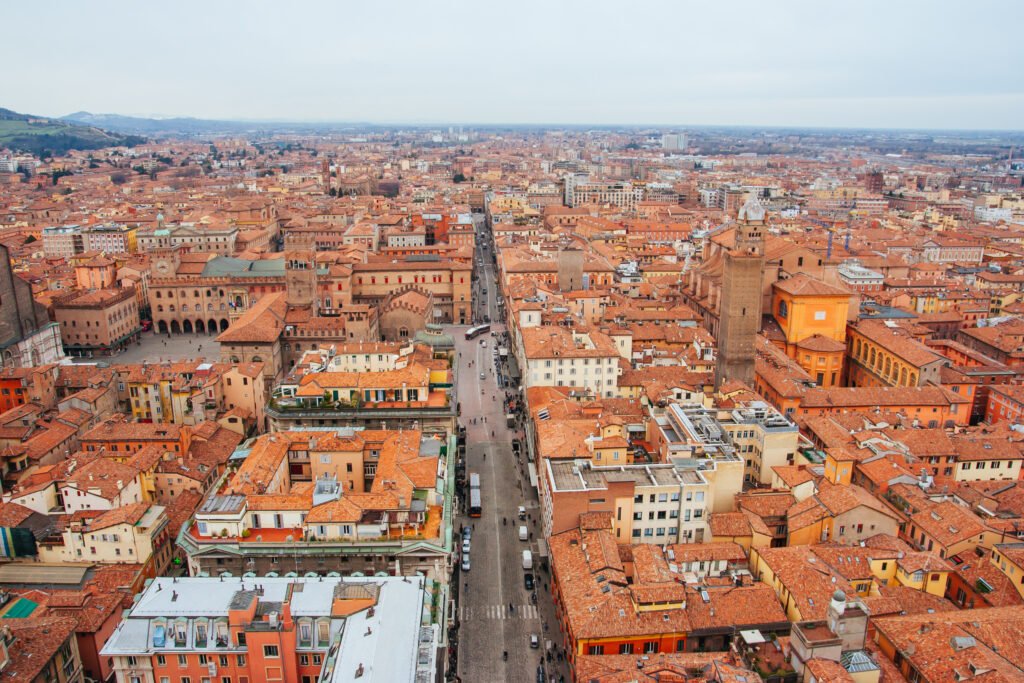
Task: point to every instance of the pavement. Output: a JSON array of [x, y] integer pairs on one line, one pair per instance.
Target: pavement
[[487, 627], [155, 348]]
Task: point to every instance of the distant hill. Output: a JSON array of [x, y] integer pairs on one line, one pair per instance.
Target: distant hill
[[35, 134], [145, 126], [186, 127]]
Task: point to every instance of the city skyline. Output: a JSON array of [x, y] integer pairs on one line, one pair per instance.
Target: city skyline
[[657, 65]]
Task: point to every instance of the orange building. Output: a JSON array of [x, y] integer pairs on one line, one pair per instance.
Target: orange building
[[270, 629], [641, 605], [19, 386], [812, 317], [928, 406], [118, 436], [1005, 403]]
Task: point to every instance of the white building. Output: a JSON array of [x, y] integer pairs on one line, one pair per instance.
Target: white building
[[674, 142], [558, 357]]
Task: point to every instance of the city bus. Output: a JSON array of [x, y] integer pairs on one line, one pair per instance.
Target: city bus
[[475, 503], [474, 332], [475, 507]]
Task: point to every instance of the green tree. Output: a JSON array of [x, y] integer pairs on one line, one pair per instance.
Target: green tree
[[459, 178]]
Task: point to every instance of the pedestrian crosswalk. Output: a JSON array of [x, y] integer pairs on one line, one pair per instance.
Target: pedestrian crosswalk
[[467, 613]]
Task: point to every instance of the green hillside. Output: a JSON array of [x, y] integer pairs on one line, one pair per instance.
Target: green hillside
[[35, 134]]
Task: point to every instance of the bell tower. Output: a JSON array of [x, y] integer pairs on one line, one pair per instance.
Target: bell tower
[[742, 285]]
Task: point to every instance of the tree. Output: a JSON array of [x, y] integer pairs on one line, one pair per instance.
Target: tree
[[57, 175], [118, 177], [459, 178]]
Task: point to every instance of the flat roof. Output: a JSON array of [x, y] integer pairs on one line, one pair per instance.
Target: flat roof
[[38, 573]]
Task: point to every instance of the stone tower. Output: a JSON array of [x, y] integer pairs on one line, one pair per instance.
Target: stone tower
[[570, 269], [742, 284], [300, 279]]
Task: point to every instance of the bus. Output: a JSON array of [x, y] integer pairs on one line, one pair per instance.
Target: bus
[[475, 504], [474, 332]]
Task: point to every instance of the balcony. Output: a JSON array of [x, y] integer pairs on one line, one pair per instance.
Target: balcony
[[419, 526], [437, 404]]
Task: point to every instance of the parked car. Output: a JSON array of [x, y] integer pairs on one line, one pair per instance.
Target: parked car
[[528, 581], [534, 641], [465, 563]]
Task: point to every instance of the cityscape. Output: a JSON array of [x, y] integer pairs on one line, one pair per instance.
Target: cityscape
[[460, 350]]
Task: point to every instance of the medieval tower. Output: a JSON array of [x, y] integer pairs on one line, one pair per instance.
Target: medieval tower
[[742, 280], [300, 280]]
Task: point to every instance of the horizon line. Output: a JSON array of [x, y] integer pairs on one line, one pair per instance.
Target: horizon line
[[547, 124]]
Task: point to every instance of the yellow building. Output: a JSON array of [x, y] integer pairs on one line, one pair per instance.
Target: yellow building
[[1009, 558], [839, 465], [812, 317]]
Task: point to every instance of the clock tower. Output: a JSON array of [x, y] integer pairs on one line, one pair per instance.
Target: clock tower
[[164, 262]]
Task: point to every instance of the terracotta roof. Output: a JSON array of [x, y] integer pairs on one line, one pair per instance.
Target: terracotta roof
[[805, 285], [36, 641], [729, 525]]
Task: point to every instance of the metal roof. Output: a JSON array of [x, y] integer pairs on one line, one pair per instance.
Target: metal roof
[[37, 573]]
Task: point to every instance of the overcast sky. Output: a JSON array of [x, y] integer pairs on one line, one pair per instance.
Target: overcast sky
[[897, 63]]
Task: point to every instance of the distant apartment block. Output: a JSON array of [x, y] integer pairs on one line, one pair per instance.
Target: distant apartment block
[[67, 241]]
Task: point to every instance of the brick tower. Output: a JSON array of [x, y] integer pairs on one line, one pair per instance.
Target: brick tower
[[742, 284], [300, 279]]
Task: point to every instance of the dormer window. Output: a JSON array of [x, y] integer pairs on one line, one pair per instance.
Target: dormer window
[[323, 631], [201, 634]]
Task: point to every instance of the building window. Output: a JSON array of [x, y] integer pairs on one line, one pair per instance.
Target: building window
[[271, 651]]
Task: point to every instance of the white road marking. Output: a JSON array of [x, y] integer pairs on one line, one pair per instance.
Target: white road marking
[[500, 612]]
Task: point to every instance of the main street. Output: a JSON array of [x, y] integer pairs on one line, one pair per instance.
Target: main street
[[496, 578]]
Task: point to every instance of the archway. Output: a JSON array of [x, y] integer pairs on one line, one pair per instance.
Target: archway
[[175, 327], [186, 327], [211, 326], [200, 327], [224, 324], [161, 326]]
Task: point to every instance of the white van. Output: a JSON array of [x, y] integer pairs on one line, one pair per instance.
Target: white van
[[527, 559], [524, 533]]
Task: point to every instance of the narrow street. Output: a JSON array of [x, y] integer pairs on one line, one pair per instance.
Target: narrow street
[[496, 580]]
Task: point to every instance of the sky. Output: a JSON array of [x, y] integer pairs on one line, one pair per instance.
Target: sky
[[892, 64]]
